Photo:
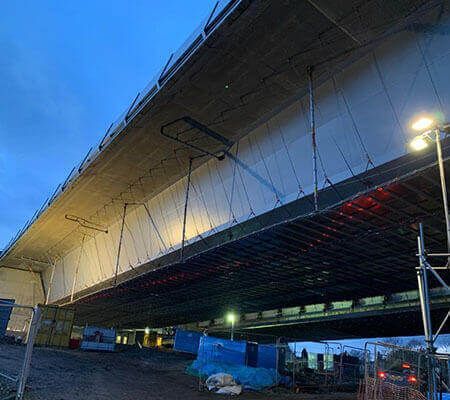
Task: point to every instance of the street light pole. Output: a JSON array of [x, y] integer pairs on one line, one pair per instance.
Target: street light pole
[[443, 186], [429, 126], [231, 318], [419, 143]]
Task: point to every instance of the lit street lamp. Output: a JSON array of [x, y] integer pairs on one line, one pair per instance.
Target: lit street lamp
[[231, 318], [430, 131]]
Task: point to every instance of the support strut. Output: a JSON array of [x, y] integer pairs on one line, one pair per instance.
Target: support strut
[[186, 201], [312, 122], [119, 248], [75, 278]]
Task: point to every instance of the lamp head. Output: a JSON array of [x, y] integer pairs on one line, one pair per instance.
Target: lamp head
[[423, 123], [231, 317], [419, 143]]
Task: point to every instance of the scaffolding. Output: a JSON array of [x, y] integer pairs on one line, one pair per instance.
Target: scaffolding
[[424, 274]]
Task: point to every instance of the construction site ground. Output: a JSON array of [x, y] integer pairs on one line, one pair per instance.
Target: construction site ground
[[128, 374]]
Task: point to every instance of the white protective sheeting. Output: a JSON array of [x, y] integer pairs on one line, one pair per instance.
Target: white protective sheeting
[[25, 288], [362, 113]]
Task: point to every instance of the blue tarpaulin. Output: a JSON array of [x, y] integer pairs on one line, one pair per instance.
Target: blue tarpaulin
[[250, 378], [267, 356], [187, 341], [215, 350], [231, 357]]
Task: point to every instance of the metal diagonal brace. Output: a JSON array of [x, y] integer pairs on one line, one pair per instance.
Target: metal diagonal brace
[[86, 224], [312, 122], [186, 201], [120, 243], [201, 127]]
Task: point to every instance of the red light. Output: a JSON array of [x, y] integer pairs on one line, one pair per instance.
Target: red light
[[406, 366], [412, 379], [381, 375]]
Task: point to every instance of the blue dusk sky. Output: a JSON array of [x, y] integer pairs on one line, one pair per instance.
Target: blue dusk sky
[[67, 70]]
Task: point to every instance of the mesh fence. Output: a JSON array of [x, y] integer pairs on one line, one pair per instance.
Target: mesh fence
[[380, 390], [393, 372]]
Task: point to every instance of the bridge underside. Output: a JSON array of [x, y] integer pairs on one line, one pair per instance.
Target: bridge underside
[[361, 243], [382, 324], [248, 67]]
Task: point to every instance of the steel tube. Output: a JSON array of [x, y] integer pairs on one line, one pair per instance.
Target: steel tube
[[75, 278], [50, 284], [119, 248], [312, 121], [28, 352], [443, 186], [422, 281], [444, 321], [436, 275], [9, 378], [423, 291], [186, 201]]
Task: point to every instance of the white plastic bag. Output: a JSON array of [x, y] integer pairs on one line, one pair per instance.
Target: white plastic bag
[[223, 384]]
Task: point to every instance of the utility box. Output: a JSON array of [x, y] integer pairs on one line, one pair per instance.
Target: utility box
[[56, 326]]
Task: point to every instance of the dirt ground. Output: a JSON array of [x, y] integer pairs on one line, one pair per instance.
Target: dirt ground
[[131, 374]]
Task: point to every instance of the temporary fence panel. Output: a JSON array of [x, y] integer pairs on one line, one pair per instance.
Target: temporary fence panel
[[373, 389], [56, 326], [12, 383], [393, 372], [5, 314], [187, 341], [324, 366], [351, 365]]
